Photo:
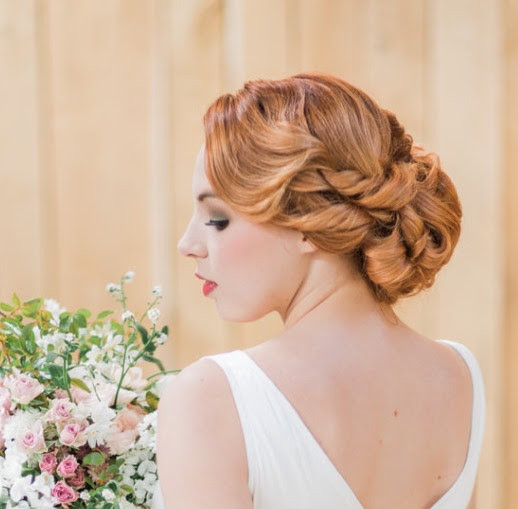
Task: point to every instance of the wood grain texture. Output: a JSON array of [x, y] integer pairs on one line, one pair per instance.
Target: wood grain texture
[[20, 205], [102, 120], [464, 125], [195, 80], [510, 244]]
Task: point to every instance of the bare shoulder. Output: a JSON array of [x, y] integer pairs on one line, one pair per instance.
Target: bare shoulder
[[200, 450], [202, 381]]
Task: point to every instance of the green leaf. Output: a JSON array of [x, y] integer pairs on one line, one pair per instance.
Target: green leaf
[[52, 356], [30, 308], [127, 488], [28, 339], [16, 301], [143, 333], [85, 312], [165, 329], [80, 320], [117, 327], [56, 372], [104, 314], [154, 360], [6, 307], [94, 458], [65, 321], [113, 469], [152, 400], [77, 382]]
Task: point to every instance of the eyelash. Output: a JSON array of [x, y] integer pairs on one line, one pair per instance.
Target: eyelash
[[219, 224]]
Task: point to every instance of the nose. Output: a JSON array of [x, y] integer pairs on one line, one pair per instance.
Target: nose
[[191, 244]]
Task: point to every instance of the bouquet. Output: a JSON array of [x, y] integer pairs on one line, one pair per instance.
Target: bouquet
[[77, 418]]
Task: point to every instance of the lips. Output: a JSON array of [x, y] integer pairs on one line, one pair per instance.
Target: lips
[[208, 285]]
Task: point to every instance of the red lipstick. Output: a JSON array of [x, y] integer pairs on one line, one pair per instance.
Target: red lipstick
[[208, 285]]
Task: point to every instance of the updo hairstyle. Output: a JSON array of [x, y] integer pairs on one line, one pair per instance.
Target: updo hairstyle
[[316, 154]]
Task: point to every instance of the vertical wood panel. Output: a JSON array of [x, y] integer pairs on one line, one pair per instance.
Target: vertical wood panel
[[510, 244], [100, 75], [464, 126], [20, 262], [102, 119], [196, 79]]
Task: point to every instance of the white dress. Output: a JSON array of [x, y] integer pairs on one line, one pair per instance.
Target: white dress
[[287, 467]]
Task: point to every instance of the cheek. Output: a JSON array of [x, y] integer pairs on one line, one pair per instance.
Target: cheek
[[247, 264]]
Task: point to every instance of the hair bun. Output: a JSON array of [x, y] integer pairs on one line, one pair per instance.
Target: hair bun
[[315, 154], [404, 259]]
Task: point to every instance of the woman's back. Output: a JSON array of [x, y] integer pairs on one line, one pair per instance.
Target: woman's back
[[395, 425], [323, 428]]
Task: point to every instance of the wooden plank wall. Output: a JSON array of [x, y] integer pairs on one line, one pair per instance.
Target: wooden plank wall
[[101, 106], [510, 241]]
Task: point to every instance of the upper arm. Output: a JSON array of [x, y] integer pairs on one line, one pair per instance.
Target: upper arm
[[199, 452]]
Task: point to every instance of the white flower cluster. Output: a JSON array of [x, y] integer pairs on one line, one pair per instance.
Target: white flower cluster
[[57, 340], [84, 414], [54, 308], [14, 488], [139, 469]]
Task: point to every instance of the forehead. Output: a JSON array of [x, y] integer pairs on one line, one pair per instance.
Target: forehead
[[200, 182]]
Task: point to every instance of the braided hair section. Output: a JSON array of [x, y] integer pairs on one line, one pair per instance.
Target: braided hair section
[[315, 154]]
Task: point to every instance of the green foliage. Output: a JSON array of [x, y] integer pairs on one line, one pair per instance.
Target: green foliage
[[94, 458]]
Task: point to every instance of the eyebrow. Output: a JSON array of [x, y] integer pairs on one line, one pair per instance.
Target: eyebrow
[[206, 194]]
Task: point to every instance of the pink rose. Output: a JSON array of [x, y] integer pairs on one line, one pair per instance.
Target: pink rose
[[129, 417], [5, 400], [31, 440], [23, 388], [61, 393], [48, 463], [77, 481], [120, 441], [67, 466], [64, 493], [72, 435], [60, 411], [79, 394]]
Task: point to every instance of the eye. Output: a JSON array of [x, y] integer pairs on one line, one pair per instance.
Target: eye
[[219, 224]]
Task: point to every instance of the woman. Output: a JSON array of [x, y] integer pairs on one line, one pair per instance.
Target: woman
[[312, 201]]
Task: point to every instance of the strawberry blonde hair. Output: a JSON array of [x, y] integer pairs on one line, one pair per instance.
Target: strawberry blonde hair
[[318, 155]]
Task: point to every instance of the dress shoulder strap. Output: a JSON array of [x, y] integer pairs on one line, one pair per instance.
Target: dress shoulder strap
[[463, 486]]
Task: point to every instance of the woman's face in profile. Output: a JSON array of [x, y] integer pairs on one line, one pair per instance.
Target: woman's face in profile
[[256, 268]]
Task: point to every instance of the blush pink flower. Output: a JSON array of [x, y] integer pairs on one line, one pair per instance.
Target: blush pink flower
[[129, 417], [120, 441], [61, 393], [72, 435], [5, 400], [78, 480], [48, 463], [60, 411], [79, 395], [31, 440], [64, 493], [67, 466], [23, 388]]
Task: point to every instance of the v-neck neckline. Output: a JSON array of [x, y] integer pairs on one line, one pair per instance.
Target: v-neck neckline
[[340, 479]]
